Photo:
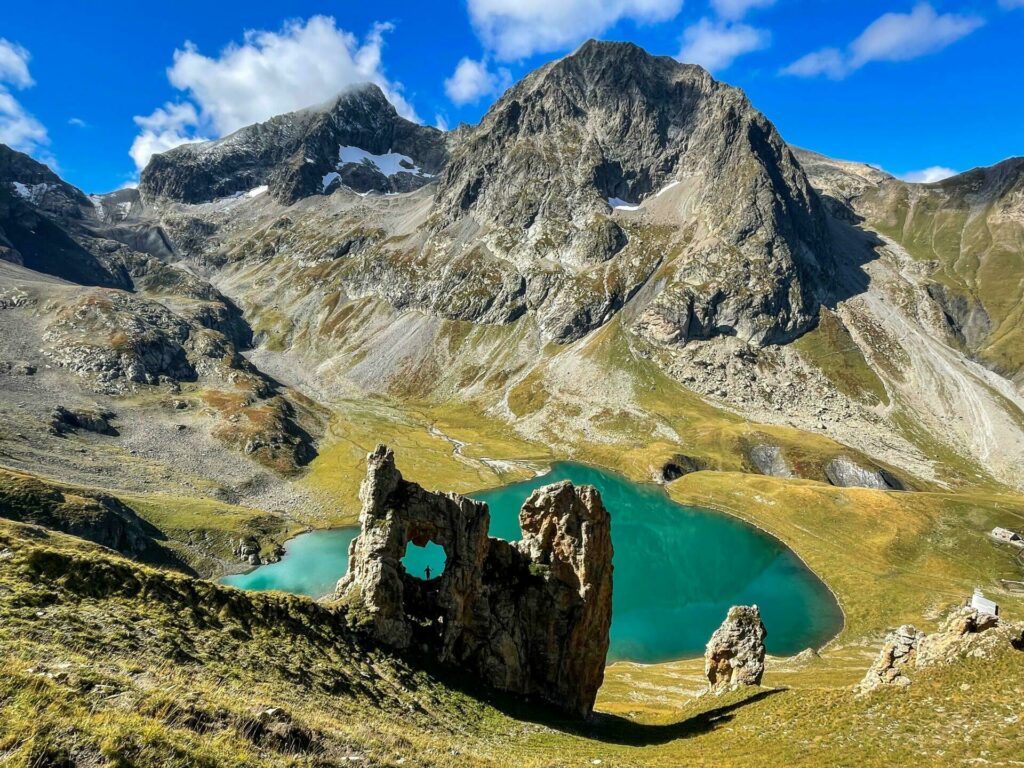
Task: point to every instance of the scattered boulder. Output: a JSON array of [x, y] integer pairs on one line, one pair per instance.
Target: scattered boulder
[[64, 420], [17, 368], [845, 473], [530, 617], [768, 460], [276, 729], [735, 653]]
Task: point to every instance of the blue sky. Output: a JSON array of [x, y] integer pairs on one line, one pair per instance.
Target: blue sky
[[94, 88]]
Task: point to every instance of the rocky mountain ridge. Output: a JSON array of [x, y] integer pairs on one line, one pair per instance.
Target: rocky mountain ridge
[[303, 153]]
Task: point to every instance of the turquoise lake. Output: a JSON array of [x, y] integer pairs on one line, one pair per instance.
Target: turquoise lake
[[677, 570]]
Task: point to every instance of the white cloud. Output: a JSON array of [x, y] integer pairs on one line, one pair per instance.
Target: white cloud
[[890, 37], [441, 122], [1011, 4], [168, 127], [78, 122], [929, 175], [515, 29], [269, 73], [716, 44], [828, 61], [14, 65], [18, 128], [472, 80], [734, 10], [275, 72]]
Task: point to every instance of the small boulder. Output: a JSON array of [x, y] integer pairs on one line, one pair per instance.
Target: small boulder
[[768, 460], [735, 653]]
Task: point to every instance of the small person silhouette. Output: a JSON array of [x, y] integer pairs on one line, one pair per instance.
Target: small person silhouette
[[427, 572]]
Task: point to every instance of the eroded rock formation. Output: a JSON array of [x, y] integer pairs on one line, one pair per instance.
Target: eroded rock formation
[[735, 653], [530, 617], [966, 632]]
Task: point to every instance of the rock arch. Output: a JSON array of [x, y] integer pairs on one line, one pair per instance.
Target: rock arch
[[530, 617]]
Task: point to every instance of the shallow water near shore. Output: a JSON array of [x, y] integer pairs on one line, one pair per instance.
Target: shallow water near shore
[[677, 570]]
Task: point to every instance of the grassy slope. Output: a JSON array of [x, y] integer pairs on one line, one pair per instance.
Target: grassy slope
[[106, 662], [977, 251], [199, 531]]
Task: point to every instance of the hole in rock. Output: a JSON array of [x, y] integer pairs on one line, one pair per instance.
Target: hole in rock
[[419, 558]]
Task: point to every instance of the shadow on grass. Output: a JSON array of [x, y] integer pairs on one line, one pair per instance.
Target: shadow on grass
[[602, 726], [614, 729]]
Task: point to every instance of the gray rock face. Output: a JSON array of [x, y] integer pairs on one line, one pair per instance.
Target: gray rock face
[[297, 154], [533, 181], [845, 473], [769, 461], [530, 617], [735, 653]]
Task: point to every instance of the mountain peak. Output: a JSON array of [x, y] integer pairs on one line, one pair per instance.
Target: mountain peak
[[554, 161], [302, 153]]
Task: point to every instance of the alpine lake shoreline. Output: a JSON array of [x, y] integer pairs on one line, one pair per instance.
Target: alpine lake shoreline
[[773, 574]]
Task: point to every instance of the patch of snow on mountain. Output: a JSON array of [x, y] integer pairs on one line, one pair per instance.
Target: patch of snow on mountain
[[622, 205], [31, 192], [388, 164], [257, 191]]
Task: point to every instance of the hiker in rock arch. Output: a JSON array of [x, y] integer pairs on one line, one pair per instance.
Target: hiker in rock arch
[[426, 571]]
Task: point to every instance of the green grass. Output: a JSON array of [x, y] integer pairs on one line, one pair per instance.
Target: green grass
[[832, 350], [106, 662]]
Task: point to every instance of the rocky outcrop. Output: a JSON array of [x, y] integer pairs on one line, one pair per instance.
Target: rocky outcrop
[[64, 420], [966, 632], [530, 617], [846, 473], [897, 654], [735, 653], [768, 460], [358, 140], [679, 465]]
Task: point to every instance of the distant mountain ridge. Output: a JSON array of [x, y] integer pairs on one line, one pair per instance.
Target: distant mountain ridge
[[292, 154]]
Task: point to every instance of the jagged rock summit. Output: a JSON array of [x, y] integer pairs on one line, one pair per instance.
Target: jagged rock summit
[[358, 139], [530, 617], [735, 653], [558, 175]]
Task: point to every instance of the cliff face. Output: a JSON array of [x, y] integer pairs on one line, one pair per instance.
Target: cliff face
[[552, 176], [358, 140], [531, 616]]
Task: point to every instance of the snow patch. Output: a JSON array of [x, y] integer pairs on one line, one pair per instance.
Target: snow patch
[[31, 192], [257, 191], [622, 205], [389, 164]]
